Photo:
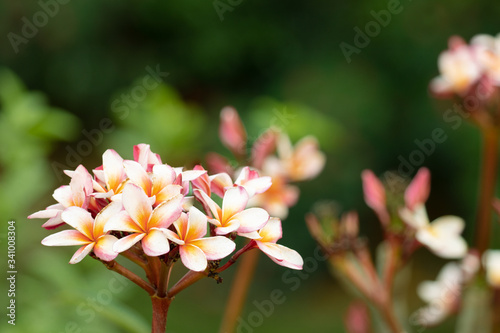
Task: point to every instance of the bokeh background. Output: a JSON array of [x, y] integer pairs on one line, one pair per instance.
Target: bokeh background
[[60, 80]]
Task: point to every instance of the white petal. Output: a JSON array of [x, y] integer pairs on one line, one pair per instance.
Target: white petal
[[215, 248], [125, 243], [103, 248], [272, 231], [81, 253], [137, 204], [155, 243], [235, 200], [251, 219], [66, 238], [193, 258], [138, 175], [166, 213], [80, 219]]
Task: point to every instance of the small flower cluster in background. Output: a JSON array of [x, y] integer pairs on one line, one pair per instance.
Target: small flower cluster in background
[[301, 162], [406, 228]]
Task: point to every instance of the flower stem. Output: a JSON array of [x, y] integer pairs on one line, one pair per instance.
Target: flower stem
[[239, 290], [187, 280], [116, 267], [487, 187], [160, 310]]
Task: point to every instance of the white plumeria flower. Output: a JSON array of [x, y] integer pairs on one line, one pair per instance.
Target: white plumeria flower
[[280, 254], [194, 248], [459, 68], [159, 184], [88, 232], [110, 177], [441, 236], [77, 193], [248, 179], [491, 262], [144, 223], [441, 295], [233, 217]]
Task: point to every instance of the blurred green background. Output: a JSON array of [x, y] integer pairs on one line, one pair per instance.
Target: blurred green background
[[63, 75]]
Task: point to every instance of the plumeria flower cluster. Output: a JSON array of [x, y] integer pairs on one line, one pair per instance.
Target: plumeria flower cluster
[[464, 66], [274, 191], [402, 215], [441, 236], [144, 204]]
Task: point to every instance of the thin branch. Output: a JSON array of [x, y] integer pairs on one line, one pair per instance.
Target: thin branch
[[116, 267]]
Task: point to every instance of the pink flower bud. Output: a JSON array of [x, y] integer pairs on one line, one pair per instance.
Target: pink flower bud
[[232, 132], [264, 146], [357, 318], [374, 193], [418, 190]]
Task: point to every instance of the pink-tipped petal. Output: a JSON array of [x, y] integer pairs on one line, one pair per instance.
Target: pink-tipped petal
[[272, 250], [66, 238], [257, 186], [81, 186], [373, 190], [80, 219], [251, 219], [215, 248], [45, 214], [419, 189], [103, 248], [125, 243], [54, 222], [219, 183], [264, 146], [81, 253], [166, 213], [193, 258], [272, 231], [235, 200], [155, 243], [137, 204], [290, 258], [112, 164], [144, 156], [190, 175], [138, 175]]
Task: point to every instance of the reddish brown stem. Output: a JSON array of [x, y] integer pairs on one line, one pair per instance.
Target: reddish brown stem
[[160, 311], [487, 187], [116, 267], [239, 290], [187, 280]]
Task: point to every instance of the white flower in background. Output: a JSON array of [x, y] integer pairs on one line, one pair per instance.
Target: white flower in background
[[441, 236], [487, 49], [491, 262], [442, 295], [459, 69]]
